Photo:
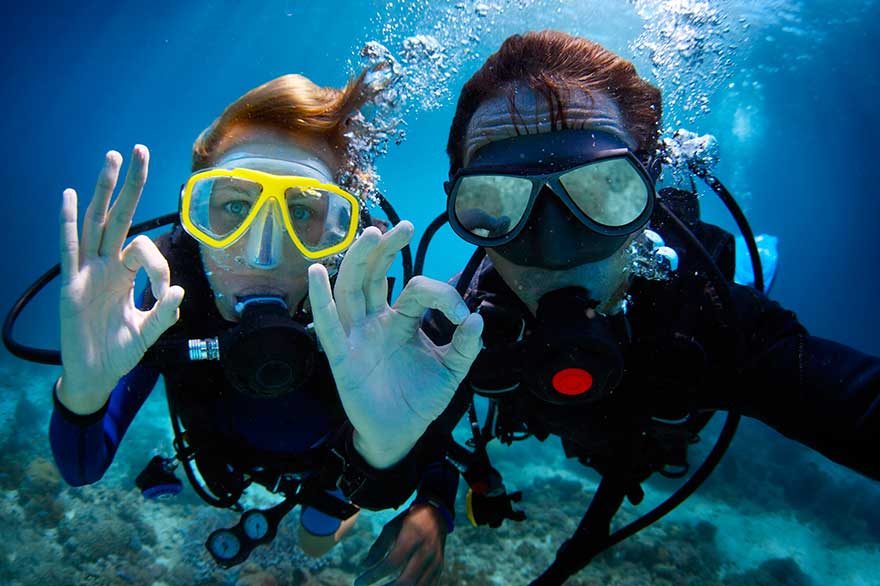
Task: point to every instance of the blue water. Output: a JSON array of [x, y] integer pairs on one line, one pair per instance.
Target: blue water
[[794, 110]]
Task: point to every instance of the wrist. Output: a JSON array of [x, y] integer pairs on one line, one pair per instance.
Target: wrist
[[360, 482], [76, 419], [380, 457], [78, 402], [446, 519]]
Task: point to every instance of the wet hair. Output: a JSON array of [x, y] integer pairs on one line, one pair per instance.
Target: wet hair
[[291, 103], [553, 63]]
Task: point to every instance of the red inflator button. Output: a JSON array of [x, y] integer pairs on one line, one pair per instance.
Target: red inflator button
[[572, 381]]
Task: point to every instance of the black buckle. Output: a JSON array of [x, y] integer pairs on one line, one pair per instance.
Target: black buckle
[[344, 476], [314, 496]]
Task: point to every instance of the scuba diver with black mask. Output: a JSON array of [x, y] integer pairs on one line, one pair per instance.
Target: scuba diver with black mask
[[553, 164], [271, 376]]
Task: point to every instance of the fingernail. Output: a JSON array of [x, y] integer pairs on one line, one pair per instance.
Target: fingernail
[[462, 312]]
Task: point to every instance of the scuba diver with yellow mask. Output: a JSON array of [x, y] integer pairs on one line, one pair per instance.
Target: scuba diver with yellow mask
[[273, 376]]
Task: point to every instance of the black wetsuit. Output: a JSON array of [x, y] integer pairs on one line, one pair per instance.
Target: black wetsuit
[[695, 348]]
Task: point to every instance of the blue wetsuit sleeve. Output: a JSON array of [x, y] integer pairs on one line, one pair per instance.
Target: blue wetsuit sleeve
[[815, 391], [84, 445]]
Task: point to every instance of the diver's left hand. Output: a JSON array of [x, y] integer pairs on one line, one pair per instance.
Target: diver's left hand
[[393, 381], [410, 547]]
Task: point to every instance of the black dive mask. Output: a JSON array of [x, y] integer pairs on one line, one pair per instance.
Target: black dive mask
[[563, 357], [554, 200]]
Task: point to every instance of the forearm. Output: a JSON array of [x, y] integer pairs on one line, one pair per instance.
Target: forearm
[[79, 444], [369, 487], [822, 394], [84, 445]]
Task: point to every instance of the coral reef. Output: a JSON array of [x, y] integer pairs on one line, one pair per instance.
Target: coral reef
[[108, 534]]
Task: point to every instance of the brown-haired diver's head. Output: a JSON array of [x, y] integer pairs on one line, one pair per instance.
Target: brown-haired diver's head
[[553, 64]]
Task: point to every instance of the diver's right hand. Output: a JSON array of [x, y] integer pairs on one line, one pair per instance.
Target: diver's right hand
[[103, 334]]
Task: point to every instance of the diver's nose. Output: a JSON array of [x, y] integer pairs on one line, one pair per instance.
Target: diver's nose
[[266, 238], [548, 217]]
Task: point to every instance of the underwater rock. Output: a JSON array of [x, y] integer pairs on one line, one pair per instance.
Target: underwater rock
[[334, 577], [42, 472], [526, 550], [259, 578], [773, 572], [105, 522], [705, 532], [682, 554], [38, 493]]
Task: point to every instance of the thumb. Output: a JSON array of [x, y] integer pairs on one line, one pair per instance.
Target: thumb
[[383, 543], [163, 315]]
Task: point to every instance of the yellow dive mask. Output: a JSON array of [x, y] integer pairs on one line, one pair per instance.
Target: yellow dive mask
[[219, 206]]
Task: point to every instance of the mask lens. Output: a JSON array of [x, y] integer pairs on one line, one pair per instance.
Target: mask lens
[[320, 219], [490, 206], [611, 191], [219, 205]]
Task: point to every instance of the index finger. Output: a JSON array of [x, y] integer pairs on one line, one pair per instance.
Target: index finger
[[376, 282]]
